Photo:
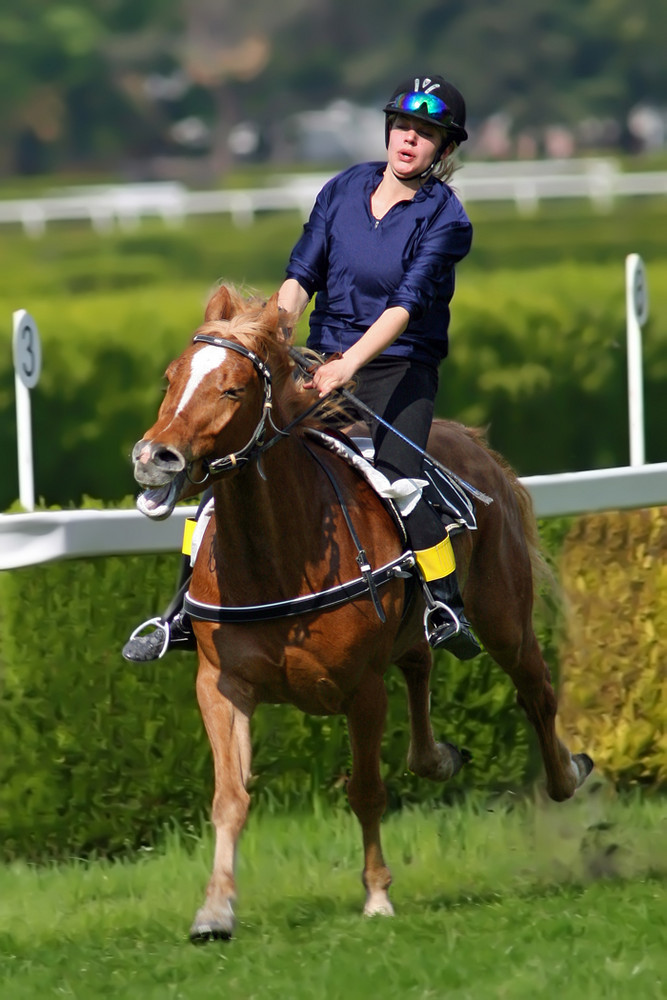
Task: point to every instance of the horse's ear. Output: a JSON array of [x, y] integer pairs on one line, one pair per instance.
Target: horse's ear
[[271, 312], [220, 305]]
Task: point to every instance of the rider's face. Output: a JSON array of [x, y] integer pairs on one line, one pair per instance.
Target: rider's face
[[413, 144]]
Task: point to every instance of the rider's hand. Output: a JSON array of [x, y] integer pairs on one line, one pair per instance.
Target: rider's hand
[[332, 375]]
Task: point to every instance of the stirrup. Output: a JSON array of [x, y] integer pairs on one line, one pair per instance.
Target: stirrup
[[158, 623], [431, 630]]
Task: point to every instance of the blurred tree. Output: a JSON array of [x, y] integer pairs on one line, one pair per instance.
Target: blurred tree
[[86, 82], [66, 73]]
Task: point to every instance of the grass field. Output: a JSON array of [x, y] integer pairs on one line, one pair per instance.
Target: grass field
[[505, 899]]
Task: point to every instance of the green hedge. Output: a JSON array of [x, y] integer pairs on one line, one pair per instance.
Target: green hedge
[[93, 755], [614, 653], [99, 756]]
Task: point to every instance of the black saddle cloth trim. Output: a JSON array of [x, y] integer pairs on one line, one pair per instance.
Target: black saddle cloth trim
[[331, 598]]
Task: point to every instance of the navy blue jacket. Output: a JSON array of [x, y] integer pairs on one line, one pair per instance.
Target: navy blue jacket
[[359, 266]]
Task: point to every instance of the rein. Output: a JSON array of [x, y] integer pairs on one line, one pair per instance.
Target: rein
[[308, 368]]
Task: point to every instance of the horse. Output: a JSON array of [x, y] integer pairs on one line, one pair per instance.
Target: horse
[[289, 517]]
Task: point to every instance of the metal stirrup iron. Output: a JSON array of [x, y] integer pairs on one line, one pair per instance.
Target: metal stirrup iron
[[159, 623], [432, 605]]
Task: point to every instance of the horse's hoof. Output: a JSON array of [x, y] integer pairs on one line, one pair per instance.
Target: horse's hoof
[[443, 764], [584, 765], [212, 923], [378, 905], [203, 933], [459, 755]]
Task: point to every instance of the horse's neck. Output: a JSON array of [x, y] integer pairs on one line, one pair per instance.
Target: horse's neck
[[269, 504]]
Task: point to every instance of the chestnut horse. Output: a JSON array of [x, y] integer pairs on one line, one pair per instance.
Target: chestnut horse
[[279, 532]]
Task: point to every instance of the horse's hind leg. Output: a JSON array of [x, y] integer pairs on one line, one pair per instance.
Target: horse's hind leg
[[228, 730], [565, 772], [426, 758], [365, 790]]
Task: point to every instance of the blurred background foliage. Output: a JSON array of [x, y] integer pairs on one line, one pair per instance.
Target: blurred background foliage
[[114, 85]]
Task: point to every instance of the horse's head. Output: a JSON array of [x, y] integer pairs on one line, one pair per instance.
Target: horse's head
[[217, 401]]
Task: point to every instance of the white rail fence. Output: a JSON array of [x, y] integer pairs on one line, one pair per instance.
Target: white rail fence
[[525, 184], [30, 539]]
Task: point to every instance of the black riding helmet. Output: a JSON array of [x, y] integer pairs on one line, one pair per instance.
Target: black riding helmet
[[433, 100]]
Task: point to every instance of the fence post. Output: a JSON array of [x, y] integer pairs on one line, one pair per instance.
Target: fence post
[[27, 352], [636, 304]]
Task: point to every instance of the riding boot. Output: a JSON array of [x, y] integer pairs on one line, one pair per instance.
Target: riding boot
[[173, 630], [445, 623]]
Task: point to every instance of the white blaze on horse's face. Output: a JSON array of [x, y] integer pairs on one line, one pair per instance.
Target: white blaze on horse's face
[[206, 360]]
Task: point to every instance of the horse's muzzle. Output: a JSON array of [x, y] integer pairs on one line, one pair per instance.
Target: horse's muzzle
[[156, 464]]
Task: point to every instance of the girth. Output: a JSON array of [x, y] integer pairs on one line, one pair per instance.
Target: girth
[[324, 599]]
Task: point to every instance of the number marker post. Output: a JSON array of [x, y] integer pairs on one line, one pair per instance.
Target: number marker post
[[636, 307], [27, 367]]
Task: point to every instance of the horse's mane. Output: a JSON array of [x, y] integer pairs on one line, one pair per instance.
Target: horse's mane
[[263, 328]]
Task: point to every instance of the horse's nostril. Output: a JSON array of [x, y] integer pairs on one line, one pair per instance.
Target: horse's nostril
[[167, 458]]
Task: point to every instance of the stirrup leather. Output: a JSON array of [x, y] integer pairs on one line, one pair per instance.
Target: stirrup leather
[[158, 623]]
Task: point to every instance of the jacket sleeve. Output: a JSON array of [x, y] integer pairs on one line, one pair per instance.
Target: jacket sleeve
[[429, 264], [308, 260]]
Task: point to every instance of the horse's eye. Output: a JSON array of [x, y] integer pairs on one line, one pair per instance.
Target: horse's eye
[[231, 394]]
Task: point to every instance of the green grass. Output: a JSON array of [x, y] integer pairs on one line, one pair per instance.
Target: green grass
[[499, 900]]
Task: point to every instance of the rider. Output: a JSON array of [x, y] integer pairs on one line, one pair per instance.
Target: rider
[[379, 250]]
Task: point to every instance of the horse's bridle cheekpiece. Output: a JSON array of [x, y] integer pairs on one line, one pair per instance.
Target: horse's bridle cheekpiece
[[244, 454]]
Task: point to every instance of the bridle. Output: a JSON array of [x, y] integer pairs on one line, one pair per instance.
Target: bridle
[[257, 444], [239, 458]]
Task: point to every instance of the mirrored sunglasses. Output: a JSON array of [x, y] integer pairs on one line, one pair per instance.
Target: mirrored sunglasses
[[417, 102]]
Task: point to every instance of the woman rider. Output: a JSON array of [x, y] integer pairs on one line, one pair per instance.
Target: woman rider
[[379, 252]]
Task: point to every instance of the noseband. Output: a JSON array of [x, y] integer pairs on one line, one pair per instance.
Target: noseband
[[243, 455]]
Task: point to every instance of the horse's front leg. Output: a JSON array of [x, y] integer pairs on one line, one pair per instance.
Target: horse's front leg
[[228, 729], [426, 757], [365, 790]]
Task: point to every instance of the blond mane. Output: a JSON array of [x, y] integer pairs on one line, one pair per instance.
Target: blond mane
[[265, 330]]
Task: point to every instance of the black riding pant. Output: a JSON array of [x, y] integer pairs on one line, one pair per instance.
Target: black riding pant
[[403, 393]]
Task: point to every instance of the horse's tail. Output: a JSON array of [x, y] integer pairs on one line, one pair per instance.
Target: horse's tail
[[544, 577], [543, 574]]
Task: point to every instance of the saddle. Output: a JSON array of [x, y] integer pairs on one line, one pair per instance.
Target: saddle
[[454, 505]]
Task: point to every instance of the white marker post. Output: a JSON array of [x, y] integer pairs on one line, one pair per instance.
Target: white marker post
[[27, 368], [636, 307]]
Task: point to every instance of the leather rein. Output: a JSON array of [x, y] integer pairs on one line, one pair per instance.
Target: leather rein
[[369, 580]]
